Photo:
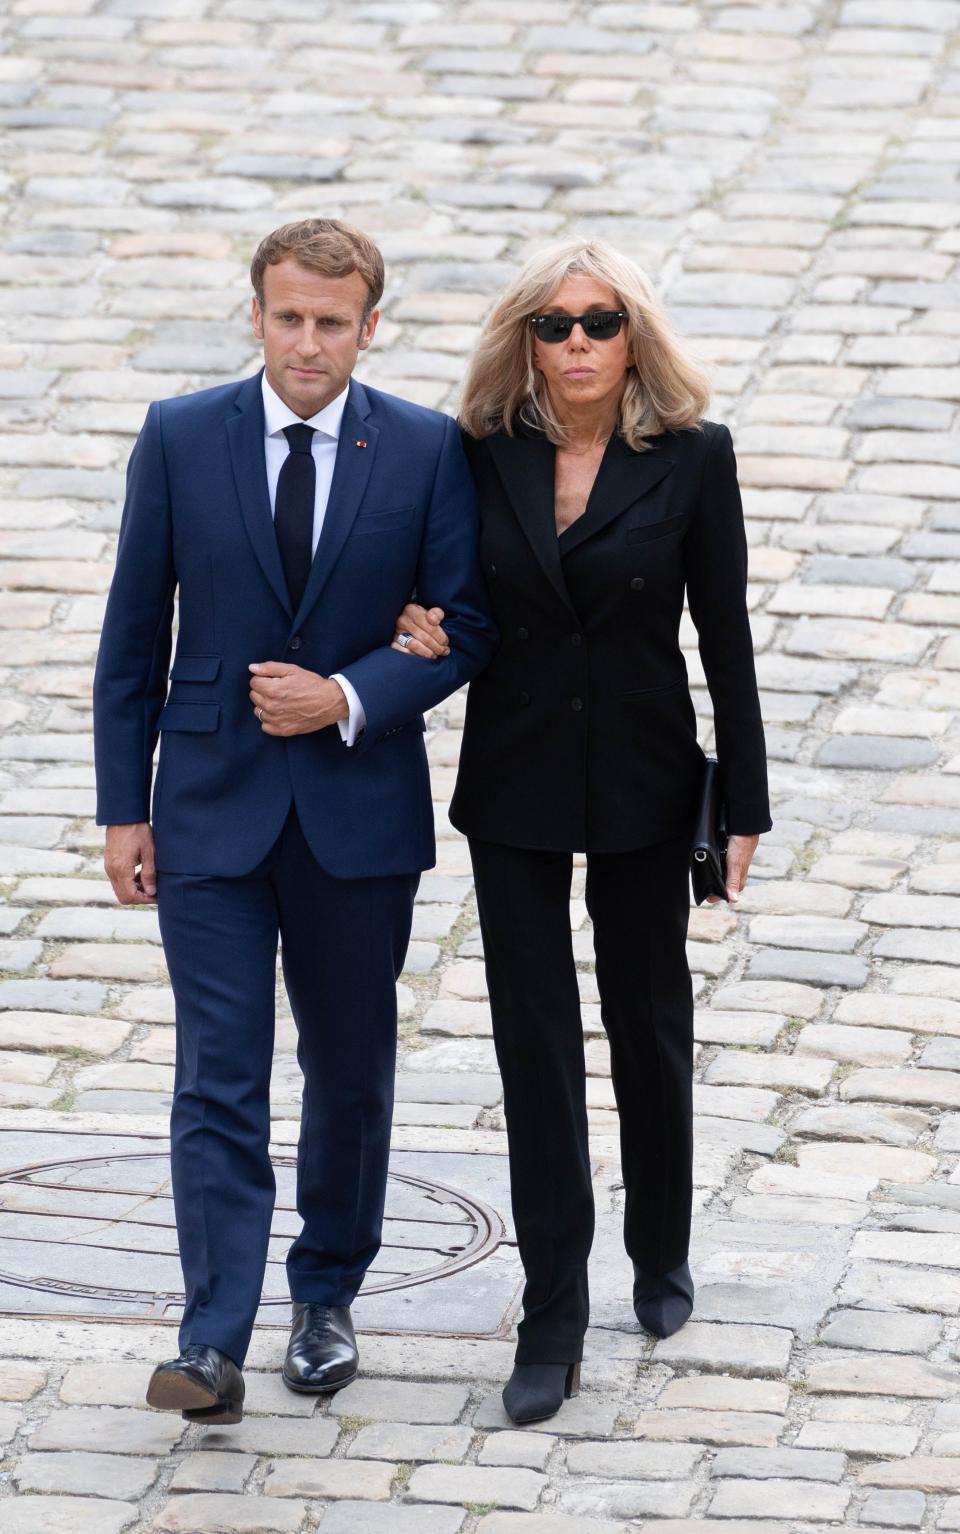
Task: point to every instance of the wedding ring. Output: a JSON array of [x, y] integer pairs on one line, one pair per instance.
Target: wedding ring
[[404, 639], [260, 715]]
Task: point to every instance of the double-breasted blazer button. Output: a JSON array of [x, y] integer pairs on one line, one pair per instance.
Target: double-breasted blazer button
[[638, 583], [295, 643], [523, 633], [524, 698], [576, 704], [576, 639]]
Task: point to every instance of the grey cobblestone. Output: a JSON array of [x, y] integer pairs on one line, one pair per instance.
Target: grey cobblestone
[[276, 1435], [397, 1401], [331, 1479], [68, 1515], [786, 175], [496, 1487], [210, 1471], [105, 1429], [380, 1518], [86, 1474], [894, 1509], [11, 1420], [222, 1513], [407, 1442], [781, 1464]]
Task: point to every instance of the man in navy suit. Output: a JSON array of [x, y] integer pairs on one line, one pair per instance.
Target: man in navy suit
[[295, 513]]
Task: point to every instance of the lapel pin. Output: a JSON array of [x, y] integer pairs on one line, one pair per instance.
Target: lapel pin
[[361, 444]]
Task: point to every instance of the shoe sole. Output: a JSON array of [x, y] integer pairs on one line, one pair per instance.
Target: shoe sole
[[224, 1414], [544, 1416], [318, 1390], [177, 1392]]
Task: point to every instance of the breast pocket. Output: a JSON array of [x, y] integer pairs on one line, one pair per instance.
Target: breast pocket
[[383, 519], [649, 532]]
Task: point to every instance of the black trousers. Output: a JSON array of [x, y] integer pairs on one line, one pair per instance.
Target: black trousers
[[639, 904]]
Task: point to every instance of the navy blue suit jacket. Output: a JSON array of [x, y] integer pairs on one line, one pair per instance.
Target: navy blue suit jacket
[[401, 518]]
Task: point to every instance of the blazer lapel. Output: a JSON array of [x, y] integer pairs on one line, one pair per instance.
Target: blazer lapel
[[245, 431], [622, 478], [526, 466], [355, 454]]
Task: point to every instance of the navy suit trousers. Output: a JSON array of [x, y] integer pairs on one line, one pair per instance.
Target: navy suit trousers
[[342, 944]]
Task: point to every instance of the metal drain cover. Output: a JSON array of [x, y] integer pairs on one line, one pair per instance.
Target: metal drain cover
[[92, 1236]]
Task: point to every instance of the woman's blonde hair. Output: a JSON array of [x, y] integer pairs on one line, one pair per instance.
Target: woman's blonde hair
[[667, 385]]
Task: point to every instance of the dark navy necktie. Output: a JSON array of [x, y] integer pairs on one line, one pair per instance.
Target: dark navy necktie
[[293, 510]]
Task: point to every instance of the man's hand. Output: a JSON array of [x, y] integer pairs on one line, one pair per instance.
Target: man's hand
[[289, 700], [131, 864], [740, 850], [422, 625]]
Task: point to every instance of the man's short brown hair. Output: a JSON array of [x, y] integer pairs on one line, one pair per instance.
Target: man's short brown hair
[[325, 245]]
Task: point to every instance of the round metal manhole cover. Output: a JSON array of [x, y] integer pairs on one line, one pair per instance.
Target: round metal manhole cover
[[96, 1235]]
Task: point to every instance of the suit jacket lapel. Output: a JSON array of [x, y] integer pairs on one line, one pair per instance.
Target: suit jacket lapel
[[355, 454], [526, 466], [245, 433], [622, 478]]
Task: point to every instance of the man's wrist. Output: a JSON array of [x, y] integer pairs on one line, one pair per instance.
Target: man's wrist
[[338, 706]]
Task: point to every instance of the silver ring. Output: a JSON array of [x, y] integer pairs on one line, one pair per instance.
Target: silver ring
[[260, 715], [404, 639]]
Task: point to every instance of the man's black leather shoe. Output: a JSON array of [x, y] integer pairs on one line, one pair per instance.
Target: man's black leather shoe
[[203, 1384], [322, 1353], [663, 1304]]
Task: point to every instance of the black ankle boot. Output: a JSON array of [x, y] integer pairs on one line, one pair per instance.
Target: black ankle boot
[[663, 1304], [537, 1391]]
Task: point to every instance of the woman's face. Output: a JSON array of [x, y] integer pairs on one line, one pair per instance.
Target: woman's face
[[579, 371]]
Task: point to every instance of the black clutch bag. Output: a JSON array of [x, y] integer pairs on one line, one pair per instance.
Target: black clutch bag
[[708, 855]]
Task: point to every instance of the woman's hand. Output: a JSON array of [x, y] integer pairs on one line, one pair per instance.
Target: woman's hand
[[740, 850], [427, 638]]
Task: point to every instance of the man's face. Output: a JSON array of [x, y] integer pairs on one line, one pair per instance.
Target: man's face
[[312, 328]]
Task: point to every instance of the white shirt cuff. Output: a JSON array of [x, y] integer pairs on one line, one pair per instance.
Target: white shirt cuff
[[357, 722]]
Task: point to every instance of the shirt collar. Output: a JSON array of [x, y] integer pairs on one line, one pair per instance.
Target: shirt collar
[[277, 415]]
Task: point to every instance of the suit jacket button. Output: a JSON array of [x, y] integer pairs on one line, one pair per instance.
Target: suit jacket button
[[638, 583], [576, 639], [295, 643], [524, 698], [576, 704], [523, 633]]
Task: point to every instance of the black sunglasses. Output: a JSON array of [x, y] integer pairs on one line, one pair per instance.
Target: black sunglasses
[[600, 325]]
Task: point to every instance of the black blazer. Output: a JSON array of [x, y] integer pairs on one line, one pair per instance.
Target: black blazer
[[581, 735]]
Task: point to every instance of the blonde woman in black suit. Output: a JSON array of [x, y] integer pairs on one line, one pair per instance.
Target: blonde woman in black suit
[[605, 498]]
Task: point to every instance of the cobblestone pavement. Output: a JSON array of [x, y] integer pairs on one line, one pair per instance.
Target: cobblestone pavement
[[788, 175]]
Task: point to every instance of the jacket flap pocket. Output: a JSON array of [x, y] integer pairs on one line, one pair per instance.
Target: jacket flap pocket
[[195, 668], [645, 532], [198, 717]]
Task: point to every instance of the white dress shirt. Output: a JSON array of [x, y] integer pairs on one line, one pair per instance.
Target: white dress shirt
[[326, 434]]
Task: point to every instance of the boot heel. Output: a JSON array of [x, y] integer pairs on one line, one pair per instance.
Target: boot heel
[[572, 1383]]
